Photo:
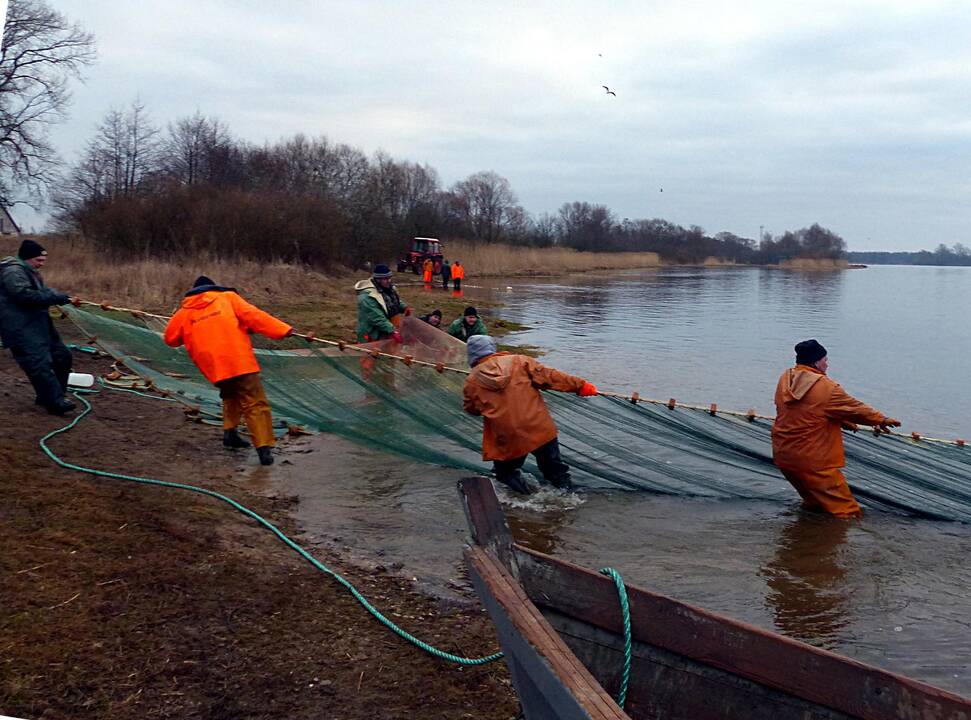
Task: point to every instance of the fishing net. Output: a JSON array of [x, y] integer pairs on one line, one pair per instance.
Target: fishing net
[[404, 406]]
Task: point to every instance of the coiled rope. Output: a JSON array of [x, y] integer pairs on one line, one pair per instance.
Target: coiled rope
[[432, 650]]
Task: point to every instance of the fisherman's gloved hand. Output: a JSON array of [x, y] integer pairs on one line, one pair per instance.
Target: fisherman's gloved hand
[[887, 423], [588, 390], [853, 427], [407, 311], [396, 336], [62, 299]]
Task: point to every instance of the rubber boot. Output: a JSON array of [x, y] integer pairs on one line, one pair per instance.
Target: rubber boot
[[231, 439], [60, 407], [266, 455], [517, 483], [563, 482]]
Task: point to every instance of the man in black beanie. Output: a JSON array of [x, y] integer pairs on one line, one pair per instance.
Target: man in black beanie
[[27, 329], [807, 437], [468, 325]]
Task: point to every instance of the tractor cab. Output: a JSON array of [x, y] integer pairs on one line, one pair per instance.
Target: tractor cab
[[422, 248]]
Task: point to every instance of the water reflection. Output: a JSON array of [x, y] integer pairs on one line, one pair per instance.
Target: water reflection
[[540, 531], [807, 593]]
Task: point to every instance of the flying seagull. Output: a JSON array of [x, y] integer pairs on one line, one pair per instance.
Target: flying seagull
[[609, 91]]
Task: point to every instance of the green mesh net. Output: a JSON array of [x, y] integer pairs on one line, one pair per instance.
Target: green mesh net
[[415, 410]]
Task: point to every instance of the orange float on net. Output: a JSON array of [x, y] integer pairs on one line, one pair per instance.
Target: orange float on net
[[671, 404], [713, 408], [915, 436], [408, 360], [960, 443], [341, 346], [750, 415], [635, 397], [440, 368]]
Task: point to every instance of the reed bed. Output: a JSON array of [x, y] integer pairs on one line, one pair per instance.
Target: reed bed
[[156, 285], [511, 261]]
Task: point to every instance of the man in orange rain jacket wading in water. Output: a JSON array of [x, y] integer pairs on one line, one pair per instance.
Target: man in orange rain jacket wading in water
[[807, 438], [214, 325], [505, 390]]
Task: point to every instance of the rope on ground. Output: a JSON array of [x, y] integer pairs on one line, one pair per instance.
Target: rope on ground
[[432, 650], [625, 618], [635, 398]]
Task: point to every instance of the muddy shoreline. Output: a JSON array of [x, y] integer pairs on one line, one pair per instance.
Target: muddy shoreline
[[126, 601]]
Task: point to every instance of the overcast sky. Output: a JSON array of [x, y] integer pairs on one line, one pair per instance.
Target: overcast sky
[[851, 114]]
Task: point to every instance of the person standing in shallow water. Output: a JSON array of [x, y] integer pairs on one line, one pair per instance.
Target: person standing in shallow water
[[214, 323], [807, 437], [505, 390], [458, 275]]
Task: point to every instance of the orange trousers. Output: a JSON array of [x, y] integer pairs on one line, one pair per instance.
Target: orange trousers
[[243, 397], [427, 276], [824, 490]]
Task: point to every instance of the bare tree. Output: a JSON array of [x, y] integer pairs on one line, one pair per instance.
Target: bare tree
[[40, 52], [487, 203], [193, 149], [120, 162]]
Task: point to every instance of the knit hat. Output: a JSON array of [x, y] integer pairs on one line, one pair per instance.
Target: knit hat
[[30, 249], [436, 312], [202, 281], [480, 346], [471, 311], [381, 271], [808, 352]]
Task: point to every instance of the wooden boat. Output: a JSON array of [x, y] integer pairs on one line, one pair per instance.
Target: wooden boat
[[560, 628]]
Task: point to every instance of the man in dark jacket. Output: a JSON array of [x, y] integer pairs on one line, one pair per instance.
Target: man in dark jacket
[[27, 330], [446, 274]]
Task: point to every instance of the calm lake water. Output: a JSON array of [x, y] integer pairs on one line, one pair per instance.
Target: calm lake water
[[886, 590]]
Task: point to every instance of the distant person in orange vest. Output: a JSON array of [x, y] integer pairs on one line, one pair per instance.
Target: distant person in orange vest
[[505, 390], [428, 268], [214, 323], [458, 275], [807, 438]]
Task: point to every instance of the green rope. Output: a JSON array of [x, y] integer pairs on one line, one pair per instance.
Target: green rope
[[269, 526], [625, 615]]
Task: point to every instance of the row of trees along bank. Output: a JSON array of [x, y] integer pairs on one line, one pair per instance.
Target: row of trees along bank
[[193, 187]]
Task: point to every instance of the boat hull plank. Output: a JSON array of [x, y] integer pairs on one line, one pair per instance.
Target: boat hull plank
[[549, 679], [773, 661], [664, 684]]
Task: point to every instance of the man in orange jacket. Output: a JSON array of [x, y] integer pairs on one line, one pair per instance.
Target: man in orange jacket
[[807, 438], [505, 390], [458, 275], [214, 325]]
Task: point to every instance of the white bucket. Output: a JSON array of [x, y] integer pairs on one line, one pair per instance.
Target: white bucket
[[80, 380]]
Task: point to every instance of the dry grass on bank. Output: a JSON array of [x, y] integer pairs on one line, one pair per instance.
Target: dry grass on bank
[[511, 260], [158, 285], [309, 300]]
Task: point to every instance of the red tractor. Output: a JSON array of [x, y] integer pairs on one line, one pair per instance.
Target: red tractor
[[422, 249]]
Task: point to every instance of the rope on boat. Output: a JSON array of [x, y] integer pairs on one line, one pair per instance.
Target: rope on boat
[[417, 642], [634, 397], [625, 617]]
